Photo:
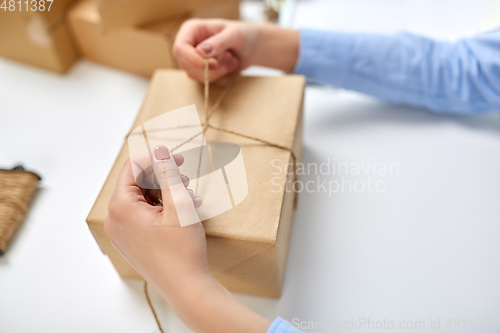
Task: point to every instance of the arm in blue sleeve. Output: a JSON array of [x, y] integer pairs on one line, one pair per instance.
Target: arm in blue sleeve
[[461, 77], [282, 326]]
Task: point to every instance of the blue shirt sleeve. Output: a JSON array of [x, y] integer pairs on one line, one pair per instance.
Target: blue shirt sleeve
[[461, 77], [280, 325]]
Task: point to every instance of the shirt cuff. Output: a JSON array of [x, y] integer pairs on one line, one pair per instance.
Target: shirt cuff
[[325, 56], [280, 325]]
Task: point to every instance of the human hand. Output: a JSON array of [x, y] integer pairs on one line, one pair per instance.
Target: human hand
[[233, 45], [149, 236], [170, 257], [229, 45]]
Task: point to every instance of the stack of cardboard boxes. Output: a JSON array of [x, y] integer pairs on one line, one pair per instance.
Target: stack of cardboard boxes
[[135, 35]]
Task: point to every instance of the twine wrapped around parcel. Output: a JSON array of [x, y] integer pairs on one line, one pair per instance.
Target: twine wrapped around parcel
[[205, 126]]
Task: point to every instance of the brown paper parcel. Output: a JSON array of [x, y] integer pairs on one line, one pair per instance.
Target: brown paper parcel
[[38, 38], [136, 50], [248, 244]]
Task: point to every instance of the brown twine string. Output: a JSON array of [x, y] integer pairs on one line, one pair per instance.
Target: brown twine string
[[16, 189], [206, 125], [151, 306], [206, 91]]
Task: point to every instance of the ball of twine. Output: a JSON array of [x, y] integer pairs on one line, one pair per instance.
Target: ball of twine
[[16, 189]]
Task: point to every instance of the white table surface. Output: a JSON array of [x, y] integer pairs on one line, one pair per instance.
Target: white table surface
[[427, 247]]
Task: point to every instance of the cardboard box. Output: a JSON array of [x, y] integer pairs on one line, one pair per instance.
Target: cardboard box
[[39, 38], [227, 9], [49, 17], [123, 14], [247, 245], [138, 50]]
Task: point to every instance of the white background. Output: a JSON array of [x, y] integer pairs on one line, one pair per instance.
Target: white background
[[428, 247]]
